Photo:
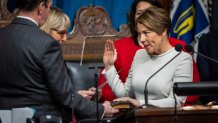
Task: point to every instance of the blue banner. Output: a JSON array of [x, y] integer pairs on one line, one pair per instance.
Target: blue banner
[[189, 20]]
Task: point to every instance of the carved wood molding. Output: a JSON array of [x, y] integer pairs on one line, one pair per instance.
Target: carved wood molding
[[92, 27]]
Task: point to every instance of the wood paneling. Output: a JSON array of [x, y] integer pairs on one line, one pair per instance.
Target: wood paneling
[[92, 28], [168, 115]]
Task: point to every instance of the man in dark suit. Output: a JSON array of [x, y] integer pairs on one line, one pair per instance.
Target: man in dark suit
[[32, 70], [208, 69]]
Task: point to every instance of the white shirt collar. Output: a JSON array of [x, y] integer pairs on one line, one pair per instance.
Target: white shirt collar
[[25, 17]]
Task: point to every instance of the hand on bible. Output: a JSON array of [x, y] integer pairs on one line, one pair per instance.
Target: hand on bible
[[134, 102]]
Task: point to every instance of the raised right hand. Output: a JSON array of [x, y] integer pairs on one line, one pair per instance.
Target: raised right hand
[[110, 54]]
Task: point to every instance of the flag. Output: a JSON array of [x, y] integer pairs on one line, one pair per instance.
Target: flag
[[189, 20]]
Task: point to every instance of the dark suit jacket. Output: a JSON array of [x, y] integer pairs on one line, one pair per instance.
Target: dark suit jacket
[[33, 73], [208, 70]]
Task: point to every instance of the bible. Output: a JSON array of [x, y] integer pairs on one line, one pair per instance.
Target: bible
[[121, 104]]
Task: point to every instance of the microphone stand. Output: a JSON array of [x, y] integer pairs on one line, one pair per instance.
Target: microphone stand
[[96, 86], [190, 49], [175, 107], [205, 56], [146, 84]]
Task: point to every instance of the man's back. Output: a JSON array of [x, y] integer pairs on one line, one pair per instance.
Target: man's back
[[33, 73], [23, 46]]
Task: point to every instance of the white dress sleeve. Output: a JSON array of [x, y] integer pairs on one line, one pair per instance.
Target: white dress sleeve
[[119, 88]]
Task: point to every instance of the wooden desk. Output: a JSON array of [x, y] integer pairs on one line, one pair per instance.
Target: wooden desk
[[166, 115]]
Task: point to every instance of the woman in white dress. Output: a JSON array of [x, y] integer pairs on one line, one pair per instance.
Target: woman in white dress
[[152, 26]]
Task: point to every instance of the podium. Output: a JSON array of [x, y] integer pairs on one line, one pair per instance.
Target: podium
[[167, 115]]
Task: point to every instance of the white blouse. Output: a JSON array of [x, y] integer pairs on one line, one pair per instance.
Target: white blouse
[[159, 87]]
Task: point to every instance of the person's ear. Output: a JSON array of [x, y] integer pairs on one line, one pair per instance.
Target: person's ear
[[164, 33], [41, 8]]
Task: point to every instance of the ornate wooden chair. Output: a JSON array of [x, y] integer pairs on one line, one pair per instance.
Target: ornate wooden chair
[[83, 51]]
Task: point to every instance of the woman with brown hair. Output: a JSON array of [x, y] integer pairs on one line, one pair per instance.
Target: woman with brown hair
[[152, 28]]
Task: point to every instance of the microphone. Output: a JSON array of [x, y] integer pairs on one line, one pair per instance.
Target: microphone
[[204, 88], [178, 48], [190, 49]]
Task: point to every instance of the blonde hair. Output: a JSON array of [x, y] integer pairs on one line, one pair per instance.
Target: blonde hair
[[155, 19], [57, 20]]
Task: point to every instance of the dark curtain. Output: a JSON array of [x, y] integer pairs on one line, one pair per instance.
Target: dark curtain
[[214, 19]]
